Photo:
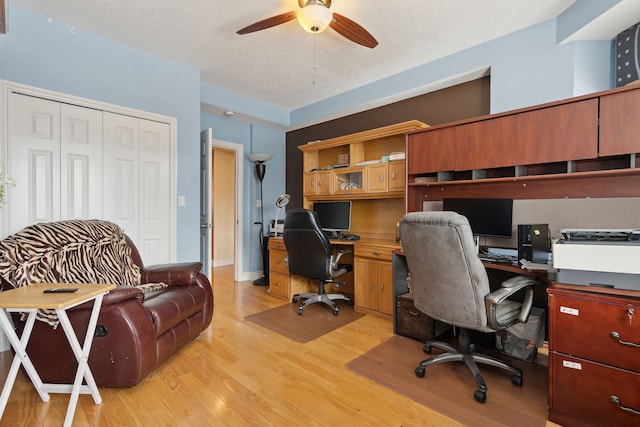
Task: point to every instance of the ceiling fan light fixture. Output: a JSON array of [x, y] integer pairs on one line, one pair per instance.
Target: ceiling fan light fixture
[[315, 18]]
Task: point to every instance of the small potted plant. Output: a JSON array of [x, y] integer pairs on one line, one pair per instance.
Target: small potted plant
[[5, 181]]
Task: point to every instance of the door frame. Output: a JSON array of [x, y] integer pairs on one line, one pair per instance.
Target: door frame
[[238, 150]]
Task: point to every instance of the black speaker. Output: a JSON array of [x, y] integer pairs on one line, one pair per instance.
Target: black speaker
[[534, 242], [627, 53]]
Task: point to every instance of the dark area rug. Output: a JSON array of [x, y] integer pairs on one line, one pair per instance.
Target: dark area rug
[[315, 321], [448, 388]]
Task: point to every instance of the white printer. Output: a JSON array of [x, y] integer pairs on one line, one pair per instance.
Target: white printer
[[598, 257]]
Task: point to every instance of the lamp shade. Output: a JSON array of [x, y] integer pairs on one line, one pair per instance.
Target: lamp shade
[[314, 18], [259, 157]]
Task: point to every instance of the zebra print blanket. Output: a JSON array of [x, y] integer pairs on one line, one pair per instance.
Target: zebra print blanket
[[74, 251]]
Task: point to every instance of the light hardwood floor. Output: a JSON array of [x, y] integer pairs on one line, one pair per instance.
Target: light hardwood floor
[[240, 374]]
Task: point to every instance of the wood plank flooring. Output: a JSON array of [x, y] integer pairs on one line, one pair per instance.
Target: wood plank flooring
[[240, 374]]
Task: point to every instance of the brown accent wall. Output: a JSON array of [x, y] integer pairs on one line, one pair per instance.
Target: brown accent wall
[[458, 102]]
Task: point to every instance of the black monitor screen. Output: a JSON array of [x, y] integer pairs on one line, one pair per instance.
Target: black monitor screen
[[487, 217], [334, 216]]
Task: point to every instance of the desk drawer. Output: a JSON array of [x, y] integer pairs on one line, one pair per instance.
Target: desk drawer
[[277, 261], [279, 284], [370, 251], [582, 325], [581, 393], [277, 245]]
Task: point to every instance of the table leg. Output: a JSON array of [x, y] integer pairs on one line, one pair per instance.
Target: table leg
[[82, 355], [20, 358]]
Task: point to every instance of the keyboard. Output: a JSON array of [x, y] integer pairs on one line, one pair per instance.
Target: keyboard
[[500, 259]]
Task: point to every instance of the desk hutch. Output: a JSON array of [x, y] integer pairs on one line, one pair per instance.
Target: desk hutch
[[576, 148], [377, 192]]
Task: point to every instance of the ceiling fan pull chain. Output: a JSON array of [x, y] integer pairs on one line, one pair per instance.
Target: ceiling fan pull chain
[[313, 81]]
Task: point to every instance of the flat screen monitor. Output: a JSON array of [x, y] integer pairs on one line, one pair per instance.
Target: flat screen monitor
[[334, 216], [487, 217]]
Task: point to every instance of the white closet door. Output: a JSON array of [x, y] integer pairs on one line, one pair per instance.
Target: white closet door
[[121, 172], [81, 163], [155, 195], [34, 160]]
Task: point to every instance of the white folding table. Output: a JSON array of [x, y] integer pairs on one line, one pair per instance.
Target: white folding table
[[29, 299]]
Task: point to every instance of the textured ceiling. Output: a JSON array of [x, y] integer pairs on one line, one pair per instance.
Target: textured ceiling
[[276, 65]]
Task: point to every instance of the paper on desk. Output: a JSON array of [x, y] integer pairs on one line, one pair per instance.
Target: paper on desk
[[534, 265]]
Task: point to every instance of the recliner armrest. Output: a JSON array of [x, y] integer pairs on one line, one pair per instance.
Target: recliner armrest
[[509, 288], [172, 274]]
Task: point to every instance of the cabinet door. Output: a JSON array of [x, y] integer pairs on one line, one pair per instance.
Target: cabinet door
[[431, 151], [278, 284], [365, 278], [619, 124], [397, 176], [486, 144], [310, 179], [377, 178], [555, 134], [385, 287], [324, 183]]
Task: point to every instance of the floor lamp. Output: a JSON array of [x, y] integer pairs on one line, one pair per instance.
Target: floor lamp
[[259, 159]]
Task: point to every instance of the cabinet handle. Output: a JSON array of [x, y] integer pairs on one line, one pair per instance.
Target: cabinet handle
[[616, 336], [381, 178], [393, 175], [376, 253], [616, 401], [413, 314], [371, 285], [381, 287]]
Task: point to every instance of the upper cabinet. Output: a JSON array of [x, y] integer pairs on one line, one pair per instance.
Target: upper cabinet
[[586, 146], [619, 123], [363, 165], [557, 134]]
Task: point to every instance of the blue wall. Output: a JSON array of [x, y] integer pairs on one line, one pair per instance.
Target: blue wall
[[527, 68], [82, 64]]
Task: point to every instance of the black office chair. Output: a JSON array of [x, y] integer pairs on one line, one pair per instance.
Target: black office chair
[[309, 254], [450, 284]]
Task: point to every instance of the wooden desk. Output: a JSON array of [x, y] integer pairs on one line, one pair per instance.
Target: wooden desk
[[370, 284], [29, 299]]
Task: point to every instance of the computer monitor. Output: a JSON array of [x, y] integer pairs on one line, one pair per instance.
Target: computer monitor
[[487, 217], [334, 217]]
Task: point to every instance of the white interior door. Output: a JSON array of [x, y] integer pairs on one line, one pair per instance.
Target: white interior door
[[34, 160], [206, 226]]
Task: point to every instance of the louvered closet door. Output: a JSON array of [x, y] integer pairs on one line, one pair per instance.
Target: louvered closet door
[[34, 161]]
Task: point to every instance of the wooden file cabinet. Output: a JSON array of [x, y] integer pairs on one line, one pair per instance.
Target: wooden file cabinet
[[373, 279], [594, 377], [281, 283]]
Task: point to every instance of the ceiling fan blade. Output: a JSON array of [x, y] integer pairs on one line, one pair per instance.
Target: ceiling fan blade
[[3, 17], [267, 23], [352, 31]]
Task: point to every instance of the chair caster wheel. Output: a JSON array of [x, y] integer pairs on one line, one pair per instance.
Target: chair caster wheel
[[427, 348], [420, 371], [299, 311], [294, 299], [517, 380], [335, 312], [480, 396]]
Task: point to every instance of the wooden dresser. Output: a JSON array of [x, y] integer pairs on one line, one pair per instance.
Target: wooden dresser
[[594, 358]]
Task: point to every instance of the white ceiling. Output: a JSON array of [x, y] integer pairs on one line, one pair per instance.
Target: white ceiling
[[276, 66]]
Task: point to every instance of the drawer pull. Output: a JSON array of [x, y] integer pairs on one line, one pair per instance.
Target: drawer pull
[[616, 336], [413, 314], [376, 253], [615, 400]]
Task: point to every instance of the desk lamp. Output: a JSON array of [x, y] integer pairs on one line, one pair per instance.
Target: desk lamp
[[281, 202]]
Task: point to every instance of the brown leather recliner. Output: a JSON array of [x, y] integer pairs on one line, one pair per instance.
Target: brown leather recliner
[[136, 331]]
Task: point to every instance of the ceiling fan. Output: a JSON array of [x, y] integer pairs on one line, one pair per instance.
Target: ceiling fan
[[315, 17]]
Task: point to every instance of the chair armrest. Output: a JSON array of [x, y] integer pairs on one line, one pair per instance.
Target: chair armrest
[[335, 262], [172, 274], [115, 296], [509, 288]]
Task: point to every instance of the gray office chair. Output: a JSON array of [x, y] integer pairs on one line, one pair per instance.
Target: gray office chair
[[450, 284], [309, 254]]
